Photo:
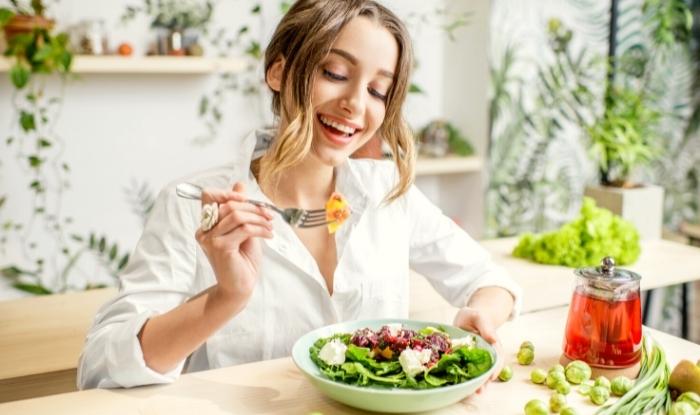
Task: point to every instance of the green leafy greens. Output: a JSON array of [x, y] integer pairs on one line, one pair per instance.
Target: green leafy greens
[[362, 369], [593, 235]]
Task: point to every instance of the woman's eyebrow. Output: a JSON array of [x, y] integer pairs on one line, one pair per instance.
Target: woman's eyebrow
[[353, 60]]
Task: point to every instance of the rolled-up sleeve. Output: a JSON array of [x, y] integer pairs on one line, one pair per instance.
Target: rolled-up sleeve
[[158, 278], [454, 263]]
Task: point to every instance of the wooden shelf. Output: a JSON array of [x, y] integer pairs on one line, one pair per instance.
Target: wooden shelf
[[113, 64], [448, 165]]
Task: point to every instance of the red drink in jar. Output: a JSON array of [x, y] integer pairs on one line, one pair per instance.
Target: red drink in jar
[[604, 328], [604, 333]]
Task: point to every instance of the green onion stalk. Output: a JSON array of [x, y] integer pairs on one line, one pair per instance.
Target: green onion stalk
[[650, 394]]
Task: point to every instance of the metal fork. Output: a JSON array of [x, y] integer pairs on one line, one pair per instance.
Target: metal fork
[[300, 218]]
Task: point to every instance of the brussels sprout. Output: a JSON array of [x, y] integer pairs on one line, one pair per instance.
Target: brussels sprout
[[568, 411], [556, 368], [538, 376], [527, 345], [578, 371], [602, 381], [599, 395], [563, 387], [681, 408], [526, 356], [690, 397], [620, 385], [506, 374], [553, 378], [536, 407], [557, 402]]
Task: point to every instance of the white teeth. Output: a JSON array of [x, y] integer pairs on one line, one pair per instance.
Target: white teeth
[[340, 127]]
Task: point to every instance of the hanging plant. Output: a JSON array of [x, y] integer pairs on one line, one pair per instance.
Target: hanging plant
[[36, 51]]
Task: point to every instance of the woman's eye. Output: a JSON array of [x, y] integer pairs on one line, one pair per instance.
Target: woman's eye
[[377, 94], [333, 76]]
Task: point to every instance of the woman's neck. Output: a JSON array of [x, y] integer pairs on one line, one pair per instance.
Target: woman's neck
[[308, 185]]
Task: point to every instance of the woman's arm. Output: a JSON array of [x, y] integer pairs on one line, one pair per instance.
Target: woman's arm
[[487, 309], [457, 266], [495, 303], [169, 338], [234, 252], [148, 326]]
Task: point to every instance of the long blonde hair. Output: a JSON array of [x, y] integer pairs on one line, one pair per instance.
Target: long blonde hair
[[304, 37]]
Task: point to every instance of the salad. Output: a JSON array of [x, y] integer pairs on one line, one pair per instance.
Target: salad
[[399, 357]]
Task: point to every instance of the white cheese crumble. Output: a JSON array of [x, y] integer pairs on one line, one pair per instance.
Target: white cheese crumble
[[413, 361], [468, 341], [333, 352]]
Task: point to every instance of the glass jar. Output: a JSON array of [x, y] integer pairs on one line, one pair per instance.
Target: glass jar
[[604, 327]]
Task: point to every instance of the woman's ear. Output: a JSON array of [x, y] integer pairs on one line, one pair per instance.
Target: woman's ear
[[273, 77]]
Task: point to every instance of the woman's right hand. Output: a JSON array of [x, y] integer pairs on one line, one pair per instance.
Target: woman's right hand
[[232, 245]]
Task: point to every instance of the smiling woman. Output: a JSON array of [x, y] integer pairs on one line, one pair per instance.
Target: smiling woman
[[250, 285], [346, 98], [355, 79]]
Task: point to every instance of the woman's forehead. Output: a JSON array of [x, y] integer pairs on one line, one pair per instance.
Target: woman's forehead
[[363, 42]]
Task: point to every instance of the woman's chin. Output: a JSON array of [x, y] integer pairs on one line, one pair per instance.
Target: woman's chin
[[331, 157]]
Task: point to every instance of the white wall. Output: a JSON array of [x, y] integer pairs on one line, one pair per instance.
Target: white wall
[[120, 128]]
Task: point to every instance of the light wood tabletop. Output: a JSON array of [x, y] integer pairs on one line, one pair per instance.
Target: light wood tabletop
[[41, 337], [278, 387], [662, 263]]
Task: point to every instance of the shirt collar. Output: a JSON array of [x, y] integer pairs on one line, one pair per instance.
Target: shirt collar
[[347, 183]]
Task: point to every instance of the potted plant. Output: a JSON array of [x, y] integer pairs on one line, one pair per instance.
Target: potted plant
[[178, 23], [23, 18], [622, 133], [622, 139], [32, 44], [41, 233]]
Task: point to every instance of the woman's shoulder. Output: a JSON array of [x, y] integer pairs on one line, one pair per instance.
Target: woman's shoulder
[[383, 171], [377, 178]]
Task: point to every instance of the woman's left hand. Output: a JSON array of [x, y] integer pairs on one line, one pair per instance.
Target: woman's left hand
[[472, 319]]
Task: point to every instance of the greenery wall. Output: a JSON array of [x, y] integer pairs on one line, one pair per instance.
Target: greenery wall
[[549, 68], [539, 162]]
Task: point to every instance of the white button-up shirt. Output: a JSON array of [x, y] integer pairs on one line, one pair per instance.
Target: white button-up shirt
[[375, 247]]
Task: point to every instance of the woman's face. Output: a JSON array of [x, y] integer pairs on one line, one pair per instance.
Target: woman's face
[[349, 94]]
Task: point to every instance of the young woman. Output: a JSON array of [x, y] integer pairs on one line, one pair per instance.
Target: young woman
[[247, 288]]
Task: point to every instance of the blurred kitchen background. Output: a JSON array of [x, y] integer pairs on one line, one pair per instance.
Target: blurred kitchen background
[[505, 101]]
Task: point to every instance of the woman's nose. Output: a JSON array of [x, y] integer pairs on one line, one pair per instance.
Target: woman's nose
[[353, 100]]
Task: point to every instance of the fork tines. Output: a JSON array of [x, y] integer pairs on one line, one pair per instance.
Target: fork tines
[[313, 218]]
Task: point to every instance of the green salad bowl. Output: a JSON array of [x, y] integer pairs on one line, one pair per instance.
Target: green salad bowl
[[386, 399]]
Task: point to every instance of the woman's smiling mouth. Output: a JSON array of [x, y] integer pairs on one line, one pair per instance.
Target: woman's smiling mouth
[[336, 131]]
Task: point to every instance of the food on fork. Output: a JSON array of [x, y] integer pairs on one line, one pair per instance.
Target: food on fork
[[337, 211]]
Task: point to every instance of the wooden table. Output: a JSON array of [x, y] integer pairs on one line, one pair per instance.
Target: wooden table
[[41, 339], [662, 263], [277, 387]]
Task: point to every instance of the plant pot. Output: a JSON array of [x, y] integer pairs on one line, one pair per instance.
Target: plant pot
[[643, 206], [20, 24]]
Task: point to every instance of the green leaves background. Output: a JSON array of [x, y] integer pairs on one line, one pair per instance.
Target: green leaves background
[[539, 162]]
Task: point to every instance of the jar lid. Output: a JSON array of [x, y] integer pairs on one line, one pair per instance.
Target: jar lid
[[607, 275]]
